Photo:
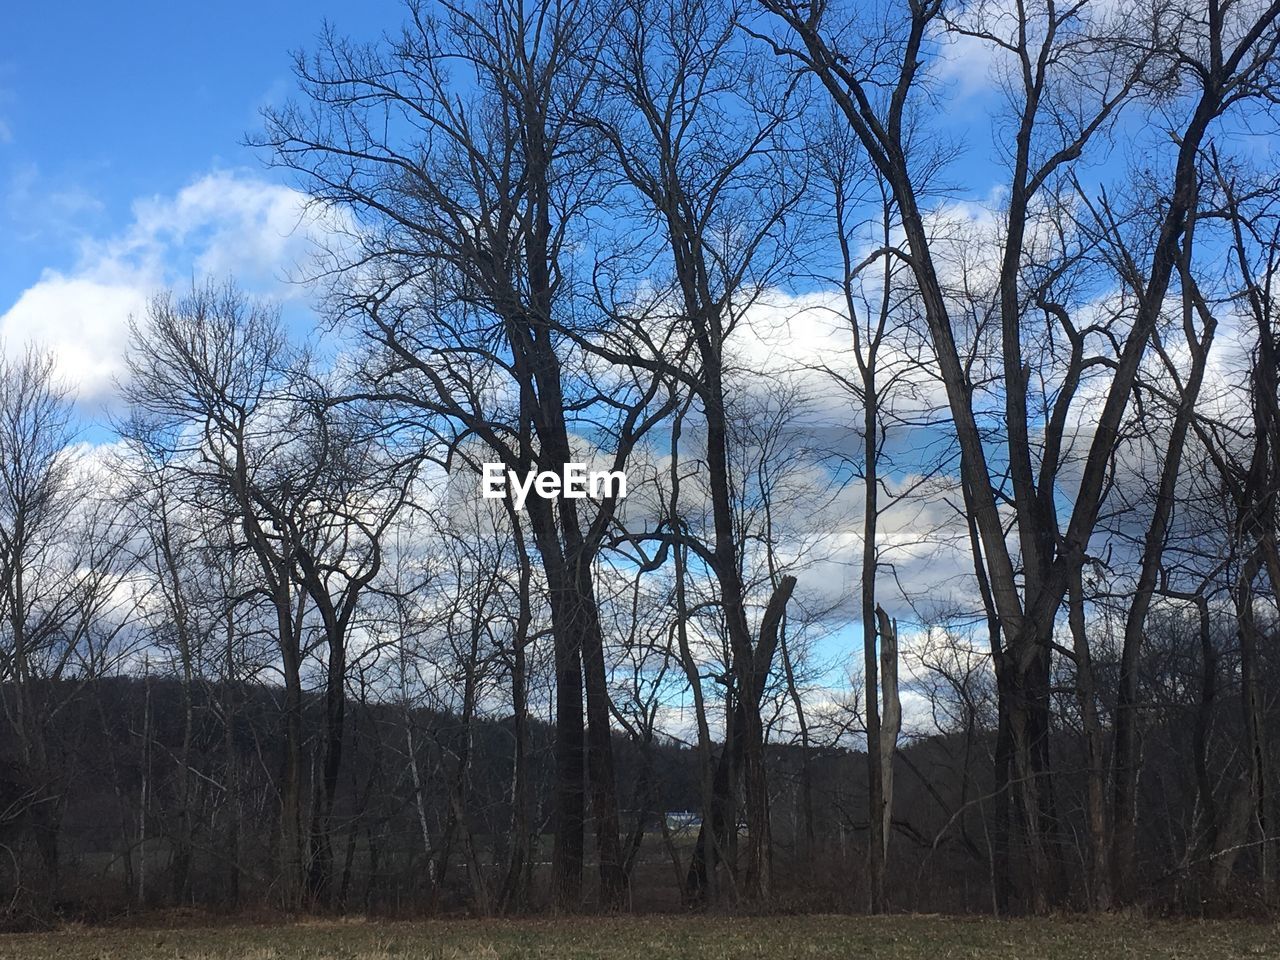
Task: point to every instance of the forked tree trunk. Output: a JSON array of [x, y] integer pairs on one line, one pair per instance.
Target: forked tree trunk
[[734, 763]]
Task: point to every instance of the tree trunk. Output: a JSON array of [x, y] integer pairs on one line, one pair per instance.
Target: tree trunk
[[1098, 878], [877, 806], [890, 727], [320, 872], [1255, 741], [291, 835], [1126, 771], [734, 762], [232, 753]]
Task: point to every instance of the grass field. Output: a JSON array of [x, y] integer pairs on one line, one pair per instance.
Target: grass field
[[662, 938]]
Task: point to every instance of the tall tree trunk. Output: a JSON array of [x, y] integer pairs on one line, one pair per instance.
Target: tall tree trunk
[[749, 733], [600, 766], [579, 643], [320, 870], [291, 836], [890, 727], [462, 775], [514, 894], [807, 830], [734, 763], [1099, 873], [702, 883], [569, 810], [1124, 813], [232, 754], [1255, 740], [515, 886], [878, 839], [1206, 801]]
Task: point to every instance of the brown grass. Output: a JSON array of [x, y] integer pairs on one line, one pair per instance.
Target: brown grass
[[663, 938]]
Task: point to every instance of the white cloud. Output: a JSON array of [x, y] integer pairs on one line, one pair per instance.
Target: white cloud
[[82, 321], [230, 225], [222, 224]]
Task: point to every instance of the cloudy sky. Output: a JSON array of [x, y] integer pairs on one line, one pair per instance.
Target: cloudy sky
[[122, 167], [122, 171]]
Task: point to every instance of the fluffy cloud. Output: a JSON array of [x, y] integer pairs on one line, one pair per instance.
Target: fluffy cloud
[[222, 224], [83, 321]]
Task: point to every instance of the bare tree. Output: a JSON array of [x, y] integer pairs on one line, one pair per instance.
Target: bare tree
[[462, 282], [64, 598], [209, 371], [1057, 111]]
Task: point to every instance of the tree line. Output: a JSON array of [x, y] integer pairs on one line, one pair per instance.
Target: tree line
[[1024, 453]]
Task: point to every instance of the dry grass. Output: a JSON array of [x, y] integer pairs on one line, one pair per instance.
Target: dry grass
[[663, 938]]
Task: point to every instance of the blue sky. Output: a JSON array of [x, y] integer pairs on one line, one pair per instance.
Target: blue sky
[[105, 103], [107, 113], [122, 169]]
